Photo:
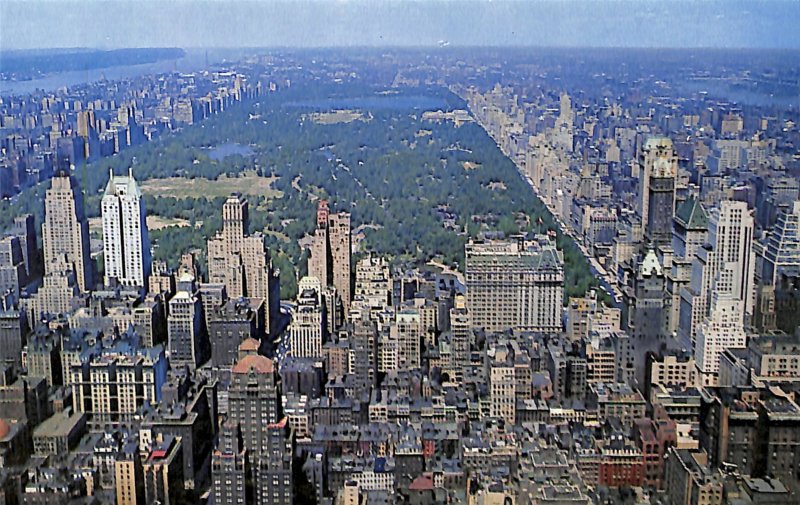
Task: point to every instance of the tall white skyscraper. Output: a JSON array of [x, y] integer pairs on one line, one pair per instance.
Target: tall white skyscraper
[[126, 246], [722, 328], [782, 252], [727, 264], [730, 231]]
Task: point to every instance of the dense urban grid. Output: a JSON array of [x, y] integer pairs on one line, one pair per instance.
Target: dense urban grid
[[548, 284]]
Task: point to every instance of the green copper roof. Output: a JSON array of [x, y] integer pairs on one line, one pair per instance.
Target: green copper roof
[[692, 215]]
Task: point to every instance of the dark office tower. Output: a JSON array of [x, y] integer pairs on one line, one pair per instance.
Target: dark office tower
[[65, 231], [12, 331], [644, 307], [231, 324], [364, 350], [187, 340], [254, 405], [658, 169], [163, 472], [229, 468], [460, 337], [25, 230]]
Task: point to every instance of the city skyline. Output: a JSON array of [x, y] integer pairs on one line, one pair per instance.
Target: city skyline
[[355, 23], [379, 276]]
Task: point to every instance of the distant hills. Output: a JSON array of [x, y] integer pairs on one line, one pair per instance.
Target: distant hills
[[22, 65]]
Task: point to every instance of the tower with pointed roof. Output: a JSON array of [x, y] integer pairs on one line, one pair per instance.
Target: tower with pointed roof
[[126, 245]]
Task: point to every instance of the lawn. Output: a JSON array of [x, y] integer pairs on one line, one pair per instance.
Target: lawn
[[248, 183]]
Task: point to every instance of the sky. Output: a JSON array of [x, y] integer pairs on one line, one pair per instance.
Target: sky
[[108, 24]]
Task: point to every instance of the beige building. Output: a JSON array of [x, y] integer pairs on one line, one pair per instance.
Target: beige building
[[65, 231], [373, 282], [672, 371], [515, 285], [331, 251], [774, 358], [129, 477], [308, 324], [241, 261], [113, 386]]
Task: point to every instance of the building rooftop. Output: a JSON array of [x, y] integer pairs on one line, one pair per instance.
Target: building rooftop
[[59, 424]]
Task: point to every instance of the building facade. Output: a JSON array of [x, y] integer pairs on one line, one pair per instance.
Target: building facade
[[126, 245]]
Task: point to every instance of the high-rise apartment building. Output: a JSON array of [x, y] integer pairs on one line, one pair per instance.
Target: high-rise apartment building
[[729, 256], [241, 261], [460, 337], [306, 331], [340, 244], [126, 245], [658, 170], [406, 331], [65, 231], [229, 468], [163, 472], [25, 230], [782, 253], [318, 259], [373, 283], [129, 476], [13, 273], [331, 252], [515, 285], [689, 233], [187, 342], [722, 328], [254, 405]]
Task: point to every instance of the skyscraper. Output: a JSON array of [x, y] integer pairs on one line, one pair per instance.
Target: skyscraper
[[306, 331], [689, 233], [25, 230], [318, 259], [241, 261], [658, 169], [460, 337], [229, 468], [727, 262], [722, 329], [515, 285], [187, 343], [126, 246], [65, 231], [782, 253], [254, 405], [331, 252], [730, 230]]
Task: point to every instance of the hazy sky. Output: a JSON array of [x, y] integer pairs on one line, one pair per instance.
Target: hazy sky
[[263, 23]]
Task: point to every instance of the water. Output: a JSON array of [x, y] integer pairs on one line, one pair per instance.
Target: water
[[373, 102], [195, 59], [224, 150]]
